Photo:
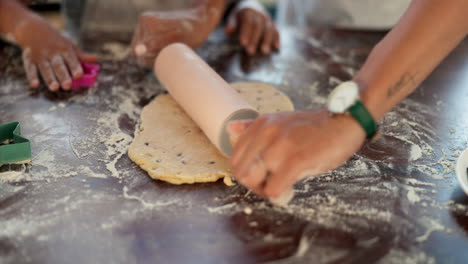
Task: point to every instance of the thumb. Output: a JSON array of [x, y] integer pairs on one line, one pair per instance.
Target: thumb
[[235, 129]]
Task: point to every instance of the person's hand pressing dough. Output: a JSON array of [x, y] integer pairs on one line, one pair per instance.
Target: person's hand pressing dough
[[277, 150], [47, 52], [256, 30], [156, 30]]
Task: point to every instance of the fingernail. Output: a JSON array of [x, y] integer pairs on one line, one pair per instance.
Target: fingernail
[[266, 49], [77, 75], [66, 85], [35, 83], [54, 86]]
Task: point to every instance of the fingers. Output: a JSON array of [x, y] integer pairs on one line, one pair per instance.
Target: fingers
[[287, 164], [284, 178], [260, 139], [61, 72], [244, 141], [236, 128], [55, 73], [276, 40], [255, 175], [260, 171], [31, 74], [256, 34], [48, 75], [31, 69], [268, 37], [251, 168], [73, 64], [246, 28]]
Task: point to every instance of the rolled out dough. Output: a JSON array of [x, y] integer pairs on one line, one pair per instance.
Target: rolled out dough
[[171, 147]]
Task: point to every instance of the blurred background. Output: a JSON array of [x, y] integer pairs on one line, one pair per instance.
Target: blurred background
[[118, 17]]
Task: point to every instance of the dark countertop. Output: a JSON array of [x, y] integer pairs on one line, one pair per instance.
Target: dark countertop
[[82, 200]]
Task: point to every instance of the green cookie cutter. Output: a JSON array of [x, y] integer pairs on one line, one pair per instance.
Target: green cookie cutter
[[14, 149]]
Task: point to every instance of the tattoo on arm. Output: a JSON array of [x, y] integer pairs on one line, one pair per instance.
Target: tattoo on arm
[[405, 79]]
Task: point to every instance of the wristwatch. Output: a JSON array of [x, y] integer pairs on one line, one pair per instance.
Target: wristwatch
[[345, 99]]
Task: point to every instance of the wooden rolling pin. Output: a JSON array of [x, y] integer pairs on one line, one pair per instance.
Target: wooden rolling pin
[[209, 100]]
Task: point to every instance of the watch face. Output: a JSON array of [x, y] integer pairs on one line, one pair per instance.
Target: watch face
[[343, 97]]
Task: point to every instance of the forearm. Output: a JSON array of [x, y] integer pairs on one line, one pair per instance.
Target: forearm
[[12, 12], [14, 17], [423, 37]]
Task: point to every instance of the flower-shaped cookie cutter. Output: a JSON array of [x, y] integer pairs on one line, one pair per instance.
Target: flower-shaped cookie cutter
[[90, 73], [14, 149]]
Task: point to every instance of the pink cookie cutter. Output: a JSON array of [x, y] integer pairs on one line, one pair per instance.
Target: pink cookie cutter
[[90, 73]]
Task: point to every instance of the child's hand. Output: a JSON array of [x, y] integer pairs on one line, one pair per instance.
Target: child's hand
[[53, 55], [155, 30], [256, 29]]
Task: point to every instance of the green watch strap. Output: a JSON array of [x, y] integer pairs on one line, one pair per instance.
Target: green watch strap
[[359, 112]]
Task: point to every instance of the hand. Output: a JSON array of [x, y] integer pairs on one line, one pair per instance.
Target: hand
[[53, 55], [279, 149], [156, 30], [256, 29]]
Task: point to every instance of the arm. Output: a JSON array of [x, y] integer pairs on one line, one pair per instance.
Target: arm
[[45, 50], [12, 16], [278, 150], [424, 36]]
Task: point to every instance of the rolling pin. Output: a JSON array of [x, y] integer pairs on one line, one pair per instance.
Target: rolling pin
[[208, 99]]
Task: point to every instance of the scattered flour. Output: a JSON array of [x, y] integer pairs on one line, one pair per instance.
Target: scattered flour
[[117, 51], [337, 200], [302, 248], [143, 202], [412, 196], [432, 226], [247, 210], [415, 153]]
